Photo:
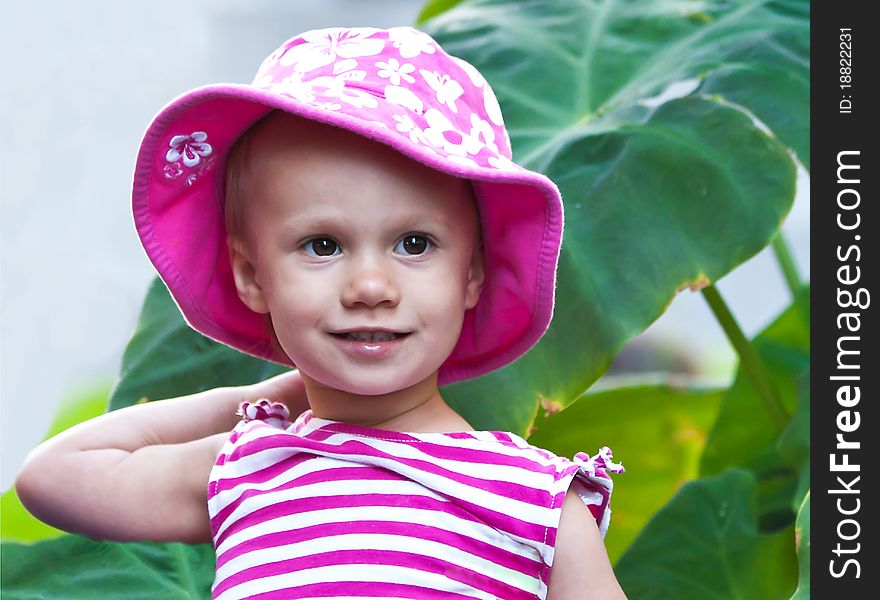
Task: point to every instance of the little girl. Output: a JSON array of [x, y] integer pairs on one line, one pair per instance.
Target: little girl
[[354, 213]]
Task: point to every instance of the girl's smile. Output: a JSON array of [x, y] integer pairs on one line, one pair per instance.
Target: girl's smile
[[371, 344]]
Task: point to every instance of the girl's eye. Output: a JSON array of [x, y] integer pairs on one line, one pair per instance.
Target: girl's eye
[[322, 246], [414, 244]]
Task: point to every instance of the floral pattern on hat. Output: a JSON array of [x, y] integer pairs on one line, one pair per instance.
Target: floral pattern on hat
[[446, 105], [448, 90], [411, 42], [404, 97], [324, 46], [394, 71], [399, 78]]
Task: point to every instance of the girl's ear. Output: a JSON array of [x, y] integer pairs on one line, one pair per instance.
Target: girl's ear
[[245, 274], [476, 278]]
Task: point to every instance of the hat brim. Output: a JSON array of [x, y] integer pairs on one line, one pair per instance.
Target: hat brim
[[179, 218]]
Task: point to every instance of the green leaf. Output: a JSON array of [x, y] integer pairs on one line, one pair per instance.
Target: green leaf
[[167, 358], [772, 78], [559, 66], [802, 541], [745, 436], [76, 567], [636, 422], [794, 443], [434, 8], [705, 545], [18, 524], [660, 192], [80, 405]]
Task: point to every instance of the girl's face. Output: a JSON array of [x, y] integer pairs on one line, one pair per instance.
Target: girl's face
[[346, 234]]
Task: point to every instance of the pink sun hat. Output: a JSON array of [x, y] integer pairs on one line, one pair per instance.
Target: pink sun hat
[[395, 86]]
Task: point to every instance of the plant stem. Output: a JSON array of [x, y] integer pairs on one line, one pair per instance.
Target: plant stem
[[751, 363], [790, 273], [786, 263]]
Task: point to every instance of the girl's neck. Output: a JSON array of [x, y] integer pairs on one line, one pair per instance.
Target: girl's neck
[[419, 408]]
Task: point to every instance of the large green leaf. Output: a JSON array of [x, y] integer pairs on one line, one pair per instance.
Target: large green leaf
[[744, 434], [802, 541], [705, 545], [75, 567], [167, 358], [660, 192], [564, 68], [657, 430]]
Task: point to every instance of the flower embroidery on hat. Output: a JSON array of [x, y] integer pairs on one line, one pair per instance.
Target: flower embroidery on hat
[[191, 148], [193, 151]]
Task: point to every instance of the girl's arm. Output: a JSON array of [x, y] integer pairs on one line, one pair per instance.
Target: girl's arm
[[141, 472], [174, 421], [581, 568]]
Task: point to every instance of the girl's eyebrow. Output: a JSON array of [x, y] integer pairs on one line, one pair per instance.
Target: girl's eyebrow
[[319, 222]]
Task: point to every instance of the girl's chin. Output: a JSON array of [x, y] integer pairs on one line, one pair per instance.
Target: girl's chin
[[368, 384], [371, 389]]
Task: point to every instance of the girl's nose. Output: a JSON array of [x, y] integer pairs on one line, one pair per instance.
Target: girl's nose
[[371, 286]]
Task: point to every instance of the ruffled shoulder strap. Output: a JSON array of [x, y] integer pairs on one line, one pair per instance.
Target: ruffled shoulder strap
[[595, 483], [589, 476], [275, 414]]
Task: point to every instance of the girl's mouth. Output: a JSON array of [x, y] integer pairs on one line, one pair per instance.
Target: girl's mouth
[[371, 345], [371, 336]]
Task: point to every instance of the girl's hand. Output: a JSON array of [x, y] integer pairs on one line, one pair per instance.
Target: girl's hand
[[288, 388]]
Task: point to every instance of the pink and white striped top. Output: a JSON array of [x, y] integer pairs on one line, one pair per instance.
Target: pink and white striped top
[[325, 509]]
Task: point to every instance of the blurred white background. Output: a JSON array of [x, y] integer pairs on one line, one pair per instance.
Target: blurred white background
[[81, 82]]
